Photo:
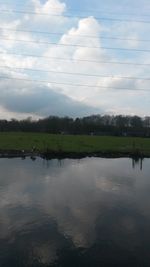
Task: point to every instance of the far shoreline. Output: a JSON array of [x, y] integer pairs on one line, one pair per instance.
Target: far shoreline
[[53, 146], [48, 155]]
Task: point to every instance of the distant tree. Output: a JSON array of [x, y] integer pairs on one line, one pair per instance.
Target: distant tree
[[136, 121]]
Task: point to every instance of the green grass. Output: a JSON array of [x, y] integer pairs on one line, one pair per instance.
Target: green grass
[[70, 143]]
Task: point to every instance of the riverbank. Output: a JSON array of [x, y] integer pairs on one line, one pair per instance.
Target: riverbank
[[71, 155], [69, 146]]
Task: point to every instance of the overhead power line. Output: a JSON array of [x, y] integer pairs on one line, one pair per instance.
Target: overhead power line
[[79, 35], [76, 45], [76, 60], [77, 73], [89, 10], [71, 16], [71, 84]]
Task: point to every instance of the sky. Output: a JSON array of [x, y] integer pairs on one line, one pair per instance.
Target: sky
[[74, 58]]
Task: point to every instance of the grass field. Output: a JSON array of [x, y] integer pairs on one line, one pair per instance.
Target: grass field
[[69, 143]]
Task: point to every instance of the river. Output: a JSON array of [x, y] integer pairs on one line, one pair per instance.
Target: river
[[91, 212]]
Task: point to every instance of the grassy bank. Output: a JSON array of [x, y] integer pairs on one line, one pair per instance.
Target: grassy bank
[[73, 144]]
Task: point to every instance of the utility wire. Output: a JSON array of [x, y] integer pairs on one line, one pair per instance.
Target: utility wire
[[83, 11], [79, 35], [71, 16], [71, 84], [76, 73], [76, 60], [77, 45]]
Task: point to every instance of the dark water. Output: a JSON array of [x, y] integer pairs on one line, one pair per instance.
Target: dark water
[[71, 213]]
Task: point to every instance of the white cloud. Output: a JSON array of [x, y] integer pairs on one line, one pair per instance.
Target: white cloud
[[83, 35], [53, 7], [53, 15]]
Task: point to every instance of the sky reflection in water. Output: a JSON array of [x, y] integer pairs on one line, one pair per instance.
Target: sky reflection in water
[[89, 212]]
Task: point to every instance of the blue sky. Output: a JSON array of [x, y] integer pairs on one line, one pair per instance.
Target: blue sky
[[70, 71]]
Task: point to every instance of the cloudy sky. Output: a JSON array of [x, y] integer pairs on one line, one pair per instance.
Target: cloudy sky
[[74, 58]]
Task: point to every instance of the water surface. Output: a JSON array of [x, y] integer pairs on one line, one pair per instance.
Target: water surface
[[74, 213]]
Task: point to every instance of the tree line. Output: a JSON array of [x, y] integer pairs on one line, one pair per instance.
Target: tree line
[[119, 125]]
